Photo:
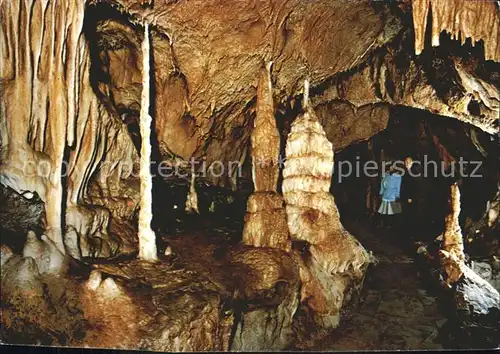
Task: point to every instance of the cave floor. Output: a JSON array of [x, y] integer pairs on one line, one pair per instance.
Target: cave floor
[[396, 310]]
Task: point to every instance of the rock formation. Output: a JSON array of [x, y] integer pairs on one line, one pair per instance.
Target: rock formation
[[477, 20], [201, 104], [265, 222], [427, 84], [453, 242], [87, 84], [473, 294], [57, 127], [337, 259], [192, 196], [162, 318], [266, 300], [48, 258], [147, 237]]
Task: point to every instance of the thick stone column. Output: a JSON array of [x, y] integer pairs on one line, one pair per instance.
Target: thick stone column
[[265, 222], [338, 260]]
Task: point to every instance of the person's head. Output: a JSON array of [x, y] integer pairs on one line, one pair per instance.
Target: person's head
[[408, 162], [391, 167]]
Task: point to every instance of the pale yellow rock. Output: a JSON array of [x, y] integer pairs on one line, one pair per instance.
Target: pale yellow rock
[[337, 260], [192, 197], [265, 221], [94, 280]]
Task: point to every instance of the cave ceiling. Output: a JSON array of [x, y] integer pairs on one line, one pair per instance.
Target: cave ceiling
[[358, 55]]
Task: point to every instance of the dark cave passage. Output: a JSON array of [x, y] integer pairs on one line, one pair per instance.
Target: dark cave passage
[[444, 152]]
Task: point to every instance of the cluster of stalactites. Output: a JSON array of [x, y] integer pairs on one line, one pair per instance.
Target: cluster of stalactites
[[265, 221], [41, 54], [47, 105], [478, 20]]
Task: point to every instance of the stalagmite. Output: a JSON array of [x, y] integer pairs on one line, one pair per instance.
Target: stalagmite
[[147, 238], [265, 222], [192, 197], [311, 209], [478, 20], [46, 255], [452, 253], [473, 295], [338, 260], [453, 240]]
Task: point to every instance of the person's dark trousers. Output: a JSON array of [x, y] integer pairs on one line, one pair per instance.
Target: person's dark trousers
[[409, 224], [395, 231]]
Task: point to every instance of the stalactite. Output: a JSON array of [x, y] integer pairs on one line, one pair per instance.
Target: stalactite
[[461, 18], [147, 238], [265, 222], [47, 105]]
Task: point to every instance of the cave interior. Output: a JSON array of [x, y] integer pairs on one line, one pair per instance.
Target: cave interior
[[207, 175]]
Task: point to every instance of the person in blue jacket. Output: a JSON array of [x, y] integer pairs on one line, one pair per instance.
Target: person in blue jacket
[[390, 190]]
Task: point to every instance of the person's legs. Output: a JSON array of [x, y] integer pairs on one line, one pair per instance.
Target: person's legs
[[389, 223], [379, 220], [410, 222]]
